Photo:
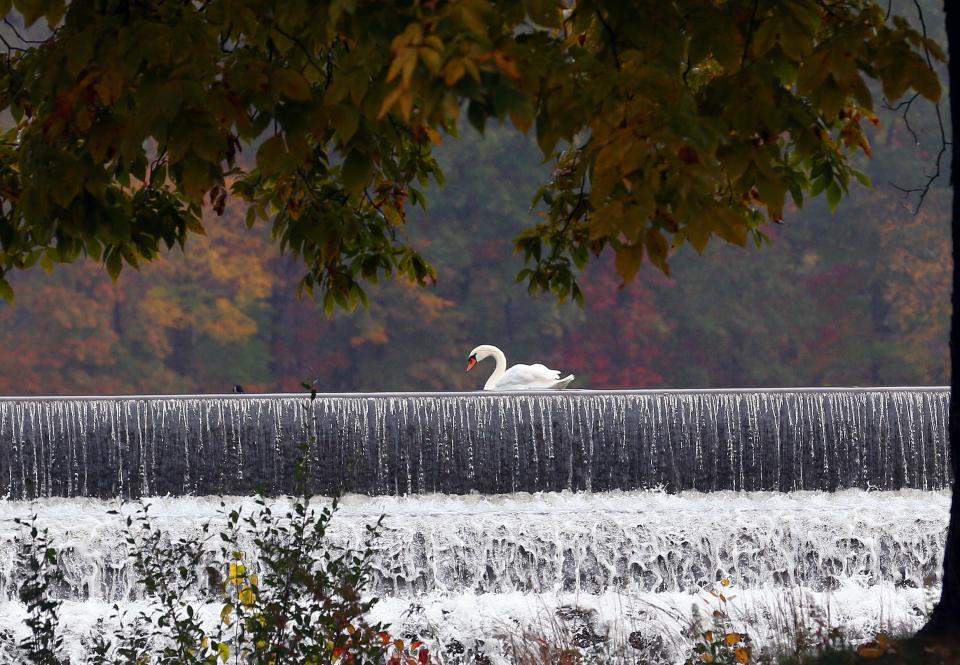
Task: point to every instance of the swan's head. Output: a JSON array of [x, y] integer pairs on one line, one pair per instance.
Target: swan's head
[[478, 354]]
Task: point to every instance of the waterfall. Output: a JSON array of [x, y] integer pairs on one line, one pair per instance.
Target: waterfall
[[631, 542], [458, 443]]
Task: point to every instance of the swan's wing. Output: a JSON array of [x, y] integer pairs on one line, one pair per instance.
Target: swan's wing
[[528, 377], [546, 372]]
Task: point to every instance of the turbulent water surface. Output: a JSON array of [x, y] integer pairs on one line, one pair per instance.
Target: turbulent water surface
[[600, 519], [526, 559]]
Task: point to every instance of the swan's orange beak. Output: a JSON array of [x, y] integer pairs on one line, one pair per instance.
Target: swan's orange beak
[[471, 363]]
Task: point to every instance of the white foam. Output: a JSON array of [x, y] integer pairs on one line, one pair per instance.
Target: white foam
[[492, 568]]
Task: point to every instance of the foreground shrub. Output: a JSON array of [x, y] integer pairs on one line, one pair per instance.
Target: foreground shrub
[[263, 588]]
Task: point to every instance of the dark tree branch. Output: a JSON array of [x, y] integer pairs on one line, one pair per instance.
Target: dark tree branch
[[11, 47], [21, 37], [302, 46], [613, 38], [746, 42], [923, 189], [906, 105]]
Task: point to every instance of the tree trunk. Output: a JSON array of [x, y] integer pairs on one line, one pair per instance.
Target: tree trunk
[[945, 620]]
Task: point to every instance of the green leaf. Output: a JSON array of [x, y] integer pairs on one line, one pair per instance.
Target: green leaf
[[357, 169], [271, 155], [627, 261], [345, 120], [544, 12], [290, 83], [113, 263], [834, 194], [6, 291], [55, 11], [924, 80]]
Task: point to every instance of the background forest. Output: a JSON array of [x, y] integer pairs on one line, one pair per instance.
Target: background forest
[[859, 297]]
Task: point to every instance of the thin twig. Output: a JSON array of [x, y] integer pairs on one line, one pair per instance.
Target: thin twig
[[306, 52], [11, 47], [613, 39], [906, 105], [924, 189], [21, 37], [746, 42]]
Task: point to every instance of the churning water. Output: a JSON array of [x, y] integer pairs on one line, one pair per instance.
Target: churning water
[[400, 444], [614, 508]]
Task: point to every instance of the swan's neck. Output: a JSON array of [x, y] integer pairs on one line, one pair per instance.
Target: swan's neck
[[498, 371]]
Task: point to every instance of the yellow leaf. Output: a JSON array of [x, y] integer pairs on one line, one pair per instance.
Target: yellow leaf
[[408, 68], [472, 17], [658, 247], [412, 34], [406, 104], [454, 71], [869, 650], [431, 59], [742, 655], [399, 61], [291, 83], [730, 225], [471, 67], [725, 582], [237, 573], [226, 613], [610, 156], [627, 261], [732, 638], [109, 86], [433, 135], [604, 220], [521, 121], [698, 234], [506, 65], [389, 101], [247, 597], [223, 650]]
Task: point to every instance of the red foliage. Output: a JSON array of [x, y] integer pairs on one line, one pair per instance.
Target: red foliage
[[625, 342]]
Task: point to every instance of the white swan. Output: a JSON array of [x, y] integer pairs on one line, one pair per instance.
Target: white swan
[[518, 377]]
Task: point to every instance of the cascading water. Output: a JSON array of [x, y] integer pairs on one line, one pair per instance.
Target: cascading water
[[616, 506], [630, 541], [460, 443]]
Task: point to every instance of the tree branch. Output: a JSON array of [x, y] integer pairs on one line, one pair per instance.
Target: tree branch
[[746, 42], [924, 189], [306, 51], [613, 39]]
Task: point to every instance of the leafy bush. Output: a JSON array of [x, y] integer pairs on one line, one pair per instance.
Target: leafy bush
[[284, 594], [37, 561]]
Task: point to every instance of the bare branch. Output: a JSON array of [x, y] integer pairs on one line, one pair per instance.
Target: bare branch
[[300, 44], [21, 37], [613, 38], [922, 190], [746, 42], [906, 105]]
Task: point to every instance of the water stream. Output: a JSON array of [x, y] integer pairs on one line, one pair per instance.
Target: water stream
[[781, 440]]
